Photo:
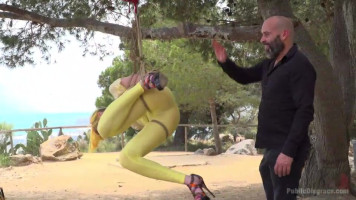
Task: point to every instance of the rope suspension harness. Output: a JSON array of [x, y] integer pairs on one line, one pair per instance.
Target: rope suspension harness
[[136, 44]]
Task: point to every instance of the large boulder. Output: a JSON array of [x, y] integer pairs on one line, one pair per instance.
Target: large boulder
[[245, 147], [61, 148]]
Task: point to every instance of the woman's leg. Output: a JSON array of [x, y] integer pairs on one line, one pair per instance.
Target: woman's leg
[[122, 112], [164, 116], [131, 157], [162, 111]]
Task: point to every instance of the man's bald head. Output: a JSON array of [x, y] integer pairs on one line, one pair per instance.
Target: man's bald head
[[277, 36], [281, 23]]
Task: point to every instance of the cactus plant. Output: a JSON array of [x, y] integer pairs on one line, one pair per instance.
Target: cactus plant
[[35, 139]]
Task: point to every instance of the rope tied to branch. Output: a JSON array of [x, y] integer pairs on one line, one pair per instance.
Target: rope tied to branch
[[134, 2], [136, 42]]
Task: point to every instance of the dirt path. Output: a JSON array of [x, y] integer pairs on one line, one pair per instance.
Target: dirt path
[[100, 176]]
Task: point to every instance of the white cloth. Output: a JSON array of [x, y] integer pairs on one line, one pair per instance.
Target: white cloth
[[116, 89]]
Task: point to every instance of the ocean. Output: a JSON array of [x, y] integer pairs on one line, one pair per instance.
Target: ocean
[[27, 120]]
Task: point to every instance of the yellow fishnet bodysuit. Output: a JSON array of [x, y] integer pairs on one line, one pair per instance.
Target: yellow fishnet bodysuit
[[152, 110]]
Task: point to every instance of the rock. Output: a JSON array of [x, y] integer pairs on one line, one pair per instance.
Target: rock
[[209, 152], [239, 138], [23, 160], [351, 163], [351, 148], [61, 148], [245, 147], [206, 151], [199, 151], [225, 138]]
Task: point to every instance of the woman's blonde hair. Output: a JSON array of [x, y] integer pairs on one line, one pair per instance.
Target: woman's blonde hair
[[94, 134]]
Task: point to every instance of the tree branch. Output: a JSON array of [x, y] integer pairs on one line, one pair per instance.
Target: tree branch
[[24, 13], [11, 16], [237, 34], [187, 30]]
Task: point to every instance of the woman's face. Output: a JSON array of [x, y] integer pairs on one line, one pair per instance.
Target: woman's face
[[100, 113]]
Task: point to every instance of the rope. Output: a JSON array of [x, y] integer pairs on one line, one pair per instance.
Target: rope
[[139, 46], [136, 43], [135, 2]]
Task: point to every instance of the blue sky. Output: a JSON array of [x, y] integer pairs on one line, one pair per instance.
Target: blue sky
[[68, 85]]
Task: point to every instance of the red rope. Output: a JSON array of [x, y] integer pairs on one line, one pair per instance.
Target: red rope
[[135, 2]]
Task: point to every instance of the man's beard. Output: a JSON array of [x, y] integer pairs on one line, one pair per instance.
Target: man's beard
[[275, 47]]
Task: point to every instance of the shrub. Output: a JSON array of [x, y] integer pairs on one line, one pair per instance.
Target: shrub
[[35, 139], [4, 160], [194, 145], [109, 145]]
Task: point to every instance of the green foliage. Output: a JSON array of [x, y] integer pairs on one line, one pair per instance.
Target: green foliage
[[167, 145], [5, 139], [20, 40], [317, 17], [180, 10], [249, 135], [129, 134], [83, 141], [4, 160], [195, 145], [112, 144], [35, 139], [241, 12], [10, 41], [4, 143], [120, 68], [193, 80]]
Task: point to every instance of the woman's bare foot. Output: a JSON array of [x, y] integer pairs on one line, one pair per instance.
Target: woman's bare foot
[[130, 81], [150, 80]]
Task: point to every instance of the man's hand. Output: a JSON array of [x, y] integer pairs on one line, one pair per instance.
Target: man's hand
[[220, 51], [283, 165]]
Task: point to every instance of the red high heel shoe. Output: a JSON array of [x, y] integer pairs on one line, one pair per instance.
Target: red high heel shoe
[[193, 186]]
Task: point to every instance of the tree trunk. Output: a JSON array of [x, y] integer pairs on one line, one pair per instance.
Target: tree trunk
[[180, 131], [343, 59], [328, 164], [217, 140], [343, 54]]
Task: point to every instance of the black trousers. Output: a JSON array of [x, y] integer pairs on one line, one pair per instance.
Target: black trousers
[[283, 188]]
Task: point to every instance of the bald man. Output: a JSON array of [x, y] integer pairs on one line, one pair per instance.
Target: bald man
[[286, 109]]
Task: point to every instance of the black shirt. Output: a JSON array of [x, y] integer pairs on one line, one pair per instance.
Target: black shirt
[[286, 107]]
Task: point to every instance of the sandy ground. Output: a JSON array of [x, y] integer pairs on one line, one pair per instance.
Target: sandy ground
[[100, 176]]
